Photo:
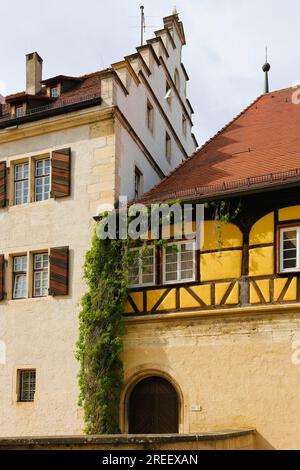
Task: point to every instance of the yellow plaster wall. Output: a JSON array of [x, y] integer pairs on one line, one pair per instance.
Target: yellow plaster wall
[[221, 265], [239, 370], [263, 231], [289, 213], [218, 236], [261, 261]]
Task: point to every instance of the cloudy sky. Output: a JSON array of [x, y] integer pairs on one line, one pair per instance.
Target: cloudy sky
[[224, 53]]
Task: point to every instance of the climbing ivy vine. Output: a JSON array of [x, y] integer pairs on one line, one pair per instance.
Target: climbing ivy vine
[[101, 330]]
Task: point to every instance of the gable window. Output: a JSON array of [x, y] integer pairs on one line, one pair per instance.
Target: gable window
[[138, 183], [179, 262], [290, 249], [184, 124], [20, 277], [42, 179], [168, 92], [142, 267], [40, 275], [150, 116], [19, 111], [27, 385], [54, 92], [177, 80], [168, 147], [21, 183]]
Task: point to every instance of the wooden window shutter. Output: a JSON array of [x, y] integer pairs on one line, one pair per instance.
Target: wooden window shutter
[[61, 173], [59, 271], [2, 270], [2, 184]]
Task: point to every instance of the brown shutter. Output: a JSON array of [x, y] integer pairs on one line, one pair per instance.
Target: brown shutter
[[2, 267], [2, 184], [59, 271], [61, 173]]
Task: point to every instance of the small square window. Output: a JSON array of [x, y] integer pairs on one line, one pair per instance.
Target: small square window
[[27, 385]]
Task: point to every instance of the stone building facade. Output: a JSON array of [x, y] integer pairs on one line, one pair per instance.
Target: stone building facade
[[68, 147]]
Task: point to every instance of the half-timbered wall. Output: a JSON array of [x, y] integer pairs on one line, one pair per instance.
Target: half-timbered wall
[[230, 271]]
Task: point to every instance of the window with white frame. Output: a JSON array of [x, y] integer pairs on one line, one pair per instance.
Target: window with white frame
[[179, 262], [19, 111], [20, 277], [142, 267], [290, 249], [40, 274], [42, 179], [54, 92], [27, 385], [21, 183]]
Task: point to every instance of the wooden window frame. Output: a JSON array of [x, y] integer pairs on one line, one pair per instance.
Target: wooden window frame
[[148, 284], [17, 108], [279, 247], [39, 270], [20, 374], [195, 257], [52, 88], [44, 176], [15, 165], [18, 273]]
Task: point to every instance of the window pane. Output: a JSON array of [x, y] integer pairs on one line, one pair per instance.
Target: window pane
[[28, 383], [20, 263], [290, 264], [20, 286]]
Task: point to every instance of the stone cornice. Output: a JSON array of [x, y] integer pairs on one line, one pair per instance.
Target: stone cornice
[[56, 123]]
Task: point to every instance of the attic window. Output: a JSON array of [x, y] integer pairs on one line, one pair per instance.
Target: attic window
[[19, 111], [54, 92]]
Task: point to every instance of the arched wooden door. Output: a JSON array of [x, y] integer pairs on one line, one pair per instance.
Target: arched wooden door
[[153, 407]]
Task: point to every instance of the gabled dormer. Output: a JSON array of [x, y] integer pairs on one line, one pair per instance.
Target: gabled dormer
[[55, 86]]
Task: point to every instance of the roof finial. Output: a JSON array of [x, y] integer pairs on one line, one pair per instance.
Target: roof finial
[[266, 68], [175, 12], [143, 25]]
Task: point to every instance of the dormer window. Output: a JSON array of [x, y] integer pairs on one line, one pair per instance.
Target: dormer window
[[19, 111], [54, 92]]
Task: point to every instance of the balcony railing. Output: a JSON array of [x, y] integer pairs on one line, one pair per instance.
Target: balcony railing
[[56, 105]]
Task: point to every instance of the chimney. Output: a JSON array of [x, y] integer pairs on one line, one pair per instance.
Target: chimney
[[34, 71]]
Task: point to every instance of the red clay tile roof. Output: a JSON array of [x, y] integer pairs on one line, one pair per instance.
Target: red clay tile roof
[[85, 87], [260, 147]]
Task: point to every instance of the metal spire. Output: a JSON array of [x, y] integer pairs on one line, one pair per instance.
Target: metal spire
[[143, 26], [266, 68]]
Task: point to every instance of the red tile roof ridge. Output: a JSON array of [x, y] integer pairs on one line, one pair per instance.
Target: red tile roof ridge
[[212, 190], [195, 154]]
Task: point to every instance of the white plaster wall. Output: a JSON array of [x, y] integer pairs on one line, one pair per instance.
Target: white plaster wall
[[41, 333], [134, 107]]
